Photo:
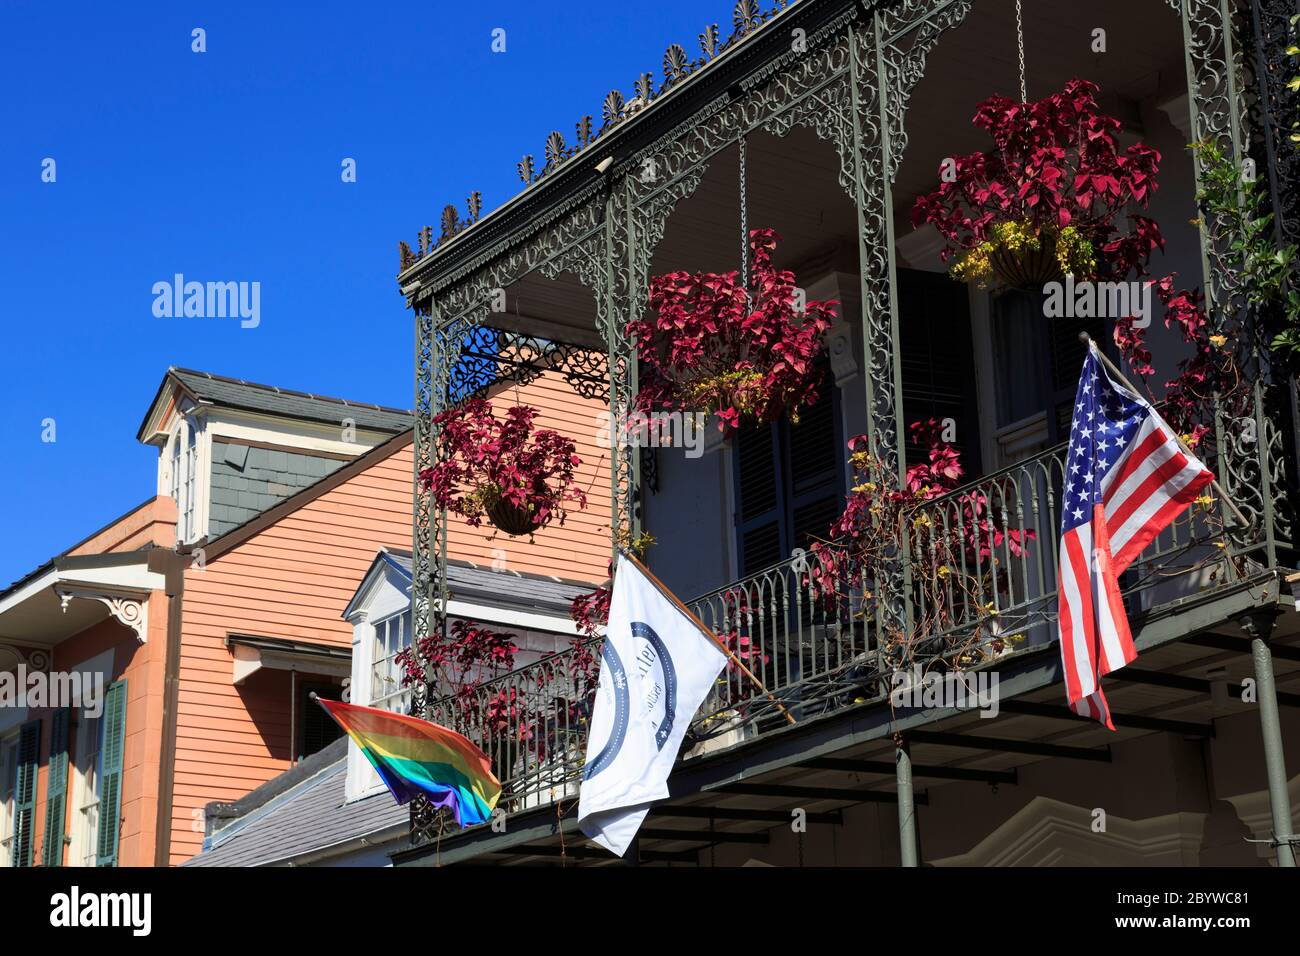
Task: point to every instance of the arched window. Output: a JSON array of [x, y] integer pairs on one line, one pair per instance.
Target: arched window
[[184, 479]]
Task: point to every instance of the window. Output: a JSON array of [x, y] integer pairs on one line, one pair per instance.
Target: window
[[1037, 360], [95, 788], [392, 636], [184, 479], [86, 793], [938, 361], [176, 465], [317, 729], [789, 482], [8, 805], [382, 625], [191, 468]]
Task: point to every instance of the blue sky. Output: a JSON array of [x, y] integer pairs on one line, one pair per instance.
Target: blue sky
[[225, 166]]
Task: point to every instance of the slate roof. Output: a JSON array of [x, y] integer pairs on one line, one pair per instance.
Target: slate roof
[[237, 393], [311, 815], [247, 481]]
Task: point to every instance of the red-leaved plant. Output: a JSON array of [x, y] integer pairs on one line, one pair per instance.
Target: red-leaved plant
[[715, 347], [459, 661], [489, 463], [865, 539], [1057, 181]]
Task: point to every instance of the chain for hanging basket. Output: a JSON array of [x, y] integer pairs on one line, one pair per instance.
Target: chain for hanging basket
[[1020, 49], [744, 220]]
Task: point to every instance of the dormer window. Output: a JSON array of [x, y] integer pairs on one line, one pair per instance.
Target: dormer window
[[184, 482]]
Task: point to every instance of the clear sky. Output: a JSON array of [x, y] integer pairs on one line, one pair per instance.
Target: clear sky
[[225, 166]]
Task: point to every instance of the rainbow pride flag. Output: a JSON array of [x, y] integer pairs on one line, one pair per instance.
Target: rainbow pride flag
[[414, 757]]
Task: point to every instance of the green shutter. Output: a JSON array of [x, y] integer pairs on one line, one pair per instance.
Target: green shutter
[[110, 779], [29, 754], [56, 789]]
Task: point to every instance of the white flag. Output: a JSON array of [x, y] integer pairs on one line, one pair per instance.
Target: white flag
[[656, 669]]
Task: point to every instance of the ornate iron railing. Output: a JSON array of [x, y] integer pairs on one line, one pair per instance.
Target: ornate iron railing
[[531, 723], [807, 652], [982, 560], [809, 655], [994, 539]]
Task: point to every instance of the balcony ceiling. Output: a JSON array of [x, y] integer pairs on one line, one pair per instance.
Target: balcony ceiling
[[793, 182]]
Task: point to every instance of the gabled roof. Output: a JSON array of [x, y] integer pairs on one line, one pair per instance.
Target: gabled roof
[[224, 392], [47, 565]]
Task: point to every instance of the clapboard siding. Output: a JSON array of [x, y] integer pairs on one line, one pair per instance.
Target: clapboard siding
[[293, 578]]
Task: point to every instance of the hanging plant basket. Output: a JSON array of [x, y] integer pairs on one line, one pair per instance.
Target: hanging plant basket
[[1057, 193], [511, 518], [489, 462], [745, 354], [1027, 268]]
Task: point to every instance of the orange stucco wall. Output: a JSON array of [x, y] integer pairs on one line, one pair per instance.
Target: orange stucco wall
[[153, 523], [141, 666], [294, 578]]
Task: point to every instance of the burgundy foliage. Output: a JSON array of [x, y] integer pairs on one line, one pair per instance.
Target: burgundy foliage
[[707, 348], [1055, 163], [487, 459]]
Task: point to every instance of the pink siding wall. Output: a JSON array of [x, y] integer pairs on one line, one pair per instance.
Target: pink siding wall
[[294, 578]]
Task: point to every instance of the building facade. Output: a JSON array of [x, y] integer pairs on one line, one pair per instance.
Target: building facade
[[210, 612], [826, 120]]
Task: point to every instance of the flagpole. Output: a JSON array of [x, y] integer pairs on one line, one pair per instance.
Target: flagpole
[[1086, 339], [704, 628]]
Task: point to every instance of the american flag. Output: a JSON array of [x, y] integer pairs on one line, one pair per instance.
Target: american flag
[[1126, 478]]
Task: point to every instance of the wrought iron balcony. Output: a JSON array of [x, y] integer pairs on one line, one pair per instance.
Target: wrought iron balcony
[[810, 655], [958, 589], [1006, 526], [816, 656]]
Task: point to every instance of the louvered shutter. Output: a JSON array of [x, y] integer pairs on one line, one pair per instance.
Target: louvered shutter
[[29, 753], [938, 360], [816, 495], [1067, 358], [110, 792], [56, 790], [789, 482], [760, 506]]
